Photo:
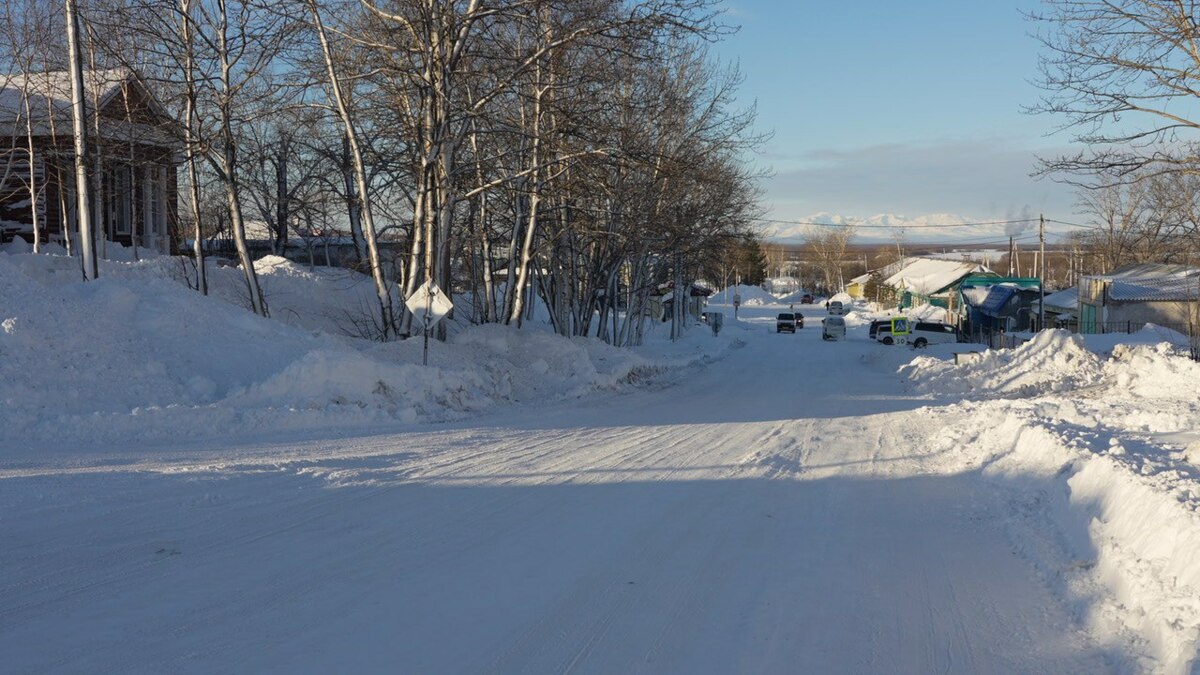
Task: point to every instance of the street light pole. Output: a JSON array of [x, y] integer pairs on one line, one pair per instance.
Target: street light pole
[[1042, 280]]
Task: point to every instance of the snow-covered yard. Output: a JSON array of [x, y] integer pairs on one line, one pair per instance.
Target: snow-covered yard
[[185, 487]]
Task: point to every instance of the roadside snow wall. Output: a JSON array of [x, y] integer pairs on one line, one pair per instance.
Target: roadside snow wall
[[1103, 454], [137, 357]]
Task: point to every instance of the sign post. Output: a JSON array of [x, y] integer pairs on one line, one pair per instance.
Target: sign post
[[428, 305]]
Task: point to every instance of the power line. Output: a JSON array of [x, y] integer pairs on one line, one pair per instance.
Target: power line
[[895, 227], [928, 226]]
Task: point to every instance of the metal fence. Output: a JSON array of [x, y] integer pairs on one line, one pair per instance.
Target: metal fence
[[1182, 335], [1130, 327]]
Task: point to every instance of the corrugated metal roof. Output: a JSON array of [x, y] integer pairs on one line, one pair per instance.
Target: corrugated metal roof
[[1160, 288], [1147, 270]]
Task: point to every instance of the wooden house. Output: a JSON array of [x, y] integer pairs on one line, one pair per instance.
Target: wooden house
[[133, 163]]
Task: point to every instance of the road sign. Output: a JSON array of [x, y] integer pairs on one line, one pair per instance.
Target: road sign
[[429, 304]]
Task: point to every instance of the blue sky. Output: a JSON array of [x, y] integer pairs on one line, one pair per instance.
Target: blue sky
[[887, 106]]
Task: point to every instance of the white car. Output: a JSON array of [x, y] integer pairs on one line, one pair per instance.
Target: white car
[[836, 308], [902, 331], [833, 328]]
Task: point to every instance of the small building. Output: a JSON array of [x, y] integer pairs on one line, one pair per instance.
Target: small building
[[1008, 308], [987, 304], [660, 305], [1061, 309], [134, 164], [858, 286], [1134, 295]]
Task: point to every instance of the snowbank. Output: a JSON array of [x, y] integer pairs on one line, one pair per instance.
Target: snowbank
[[751, 295], [1052, 361], [795, 298], [1104, 454], [1115, 539], [926, 313], [137, 357]]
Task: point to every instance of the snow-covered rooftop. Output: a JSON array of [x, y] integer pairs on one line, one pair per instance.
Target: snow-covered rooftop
[[1166, 288], [1147, 270], [927, 275], [1068, 299], [54, 88]]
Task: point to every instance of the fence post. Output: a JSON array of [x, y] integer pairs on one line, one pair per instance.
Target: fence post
[[1129, 327]]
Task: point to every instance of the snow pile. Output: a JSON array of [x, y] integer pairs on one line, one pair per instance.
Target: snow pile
[[1103, 483], [1053, 361], [926, 313], [579, 365], [795, 298], [1111, 531], [751, 296], [1150, 334], [138, 357], [1153, 371]]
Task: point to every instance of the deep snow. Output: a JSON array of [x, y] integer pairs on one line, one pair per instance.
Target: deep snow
[[137, 357], [750, 503]]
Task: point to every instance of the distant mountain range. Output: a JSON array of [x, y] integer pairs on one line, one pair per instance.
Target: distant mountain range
[[884, 228]]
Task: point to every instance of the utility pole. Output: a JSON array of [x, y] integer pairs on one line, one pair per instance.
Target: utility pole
[[1042, 279]]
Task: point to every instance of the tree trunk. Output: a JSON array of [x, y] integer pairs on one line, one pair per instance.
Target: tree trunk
[[360, 176], [229, 169], [83, 204], [189, 145]]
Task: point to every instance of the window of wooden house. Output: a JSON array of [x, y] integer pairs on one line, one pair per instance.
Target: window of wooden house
[[122, 198]]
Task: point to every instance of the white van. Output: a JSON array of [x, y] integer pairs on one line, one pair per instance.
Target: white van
[[833, 328], [836, 308], [902, 331]]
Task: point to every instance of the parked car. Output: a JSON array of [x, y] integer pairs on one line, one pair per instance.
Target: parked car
[[806, 299], [836, 308], [833, 328], [916, 333], [785, 322], [876, 325]]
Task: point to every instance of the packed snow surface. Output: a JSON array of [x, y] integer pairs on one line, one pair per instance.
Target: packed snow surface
[[195, 489]]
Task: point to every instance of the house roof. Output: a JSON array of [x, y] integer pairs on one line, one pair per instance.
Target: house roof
[[51, 91], [861, 279], [995, 300], [999, 295], [1148, 282], [926, 276], [55, 86], [48, 98], [1146, 270], [1181, 287], [1068, 299]]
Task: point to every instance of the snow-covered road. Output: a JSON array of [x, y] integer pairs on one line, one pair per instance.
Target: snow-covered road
[[782, 510]]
